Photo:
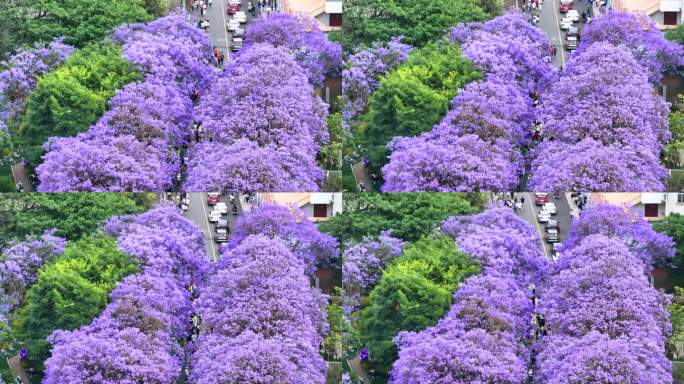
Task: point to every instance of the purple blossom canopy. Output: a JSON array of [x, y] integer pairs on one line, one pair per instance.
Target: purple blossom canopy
[[638, 33], [245, 166], [419, 164], [96, 162], [363, 70], [653, 248], [19, 266], [110, 356], [592, 166], [19, 75], [251, 358], [601, 286], [302, 37], [169, 49], [458, 357], [291, 225], [264, 97], [508, 47], [263, 289], [597, 358]]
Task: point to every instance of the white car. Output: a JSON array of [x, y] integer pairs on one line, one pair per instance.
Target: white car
[[550, 208], [544, 216], [573, 15], [214, 216], [221, 207], [240, 16], [232, 25], [565, 24]]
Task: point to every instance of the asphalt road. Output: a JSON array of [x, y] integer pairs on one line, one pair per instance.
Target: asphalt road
[[529, 213], [198, 213], [550, 23], [217, 16]]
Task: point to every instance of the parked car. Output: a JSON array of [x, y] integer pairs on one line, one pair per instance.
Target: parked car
[[240, 32], [571, 43], [240, 16], [544, 216], [232, 25], [541, 198], [573, 15], [556, 248], [221, 207], [214, 216], [233, 6], [236, 44], [213, 198], [221, 223], [221, 235], [552, 236], [572, 31], [553, 223], [565, 6], [550, 208], [565, 24]]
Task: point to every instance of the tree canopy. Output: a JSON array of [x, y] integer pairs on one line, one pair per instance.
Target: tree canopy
[[410, 216], [419, 21]]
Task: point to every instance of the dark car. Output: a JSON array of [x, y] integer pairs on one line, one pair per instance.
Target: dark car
[[221, 235], [220, 223], [552, 236], [553, 224]]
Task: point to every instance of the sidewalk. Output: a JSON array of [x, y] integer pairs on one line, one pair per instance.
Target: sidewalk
[[361, 176], [20, 176], [355, 365]]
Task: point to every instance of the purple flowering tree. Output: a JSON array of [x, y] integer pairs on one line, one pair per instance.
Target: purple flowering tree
[[303, 39], [601, 286], [363, 263], [626, 225], [363, 70], [597, 358], [510, 48], [291, 225], [251, 358], [96, 162], [591, 166], [247, 167], [638, 33], [19, 75], [19, 266]]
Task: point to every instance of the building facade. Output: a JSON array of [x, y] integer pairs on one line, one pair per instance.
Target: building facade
[[667, 14], [318, 206]]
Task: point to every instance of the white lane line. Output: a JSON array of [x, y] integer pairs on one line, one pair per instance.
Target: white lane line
[[206, 221], [560, 38], [536, 223]]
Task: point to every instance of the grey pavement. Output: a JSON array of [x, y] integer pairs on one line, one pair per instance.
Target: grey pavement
[[550, 24], [529, 213], [361, 176]]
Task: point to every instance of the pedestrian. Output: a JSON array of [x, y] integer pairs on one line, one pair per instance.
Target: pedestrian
[[522, 200], [220, 58], [202, 8]]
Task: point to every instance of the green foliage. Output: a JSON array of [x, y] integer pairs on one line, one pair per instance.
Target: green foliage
[[419, 21], [676, 34], [71, 291], [80, 21], [330, 155], [73, 97], [671, 152], [12, 35], [156, 8], [74, 215], [677, 320], [673, 226], [413, 293], [413, 98], [410, 216], [332, 346]]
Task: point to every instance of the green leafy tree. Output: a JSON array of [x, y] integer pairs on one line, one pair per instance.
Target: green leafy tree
[[413, 98], [67, 101], [412, 294], [676, 34], [410, 216], [671, 157], [12, 19], [419, 21], [79, 21], [71, 291], [676, 340], [330, 155], [156, 8], [74, 215], [673, 226]]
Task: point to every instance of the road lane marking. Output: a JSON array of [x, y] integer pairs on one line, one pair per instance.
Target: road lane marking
[[225, 32], [536, 224], [560, 38], [206, 217]]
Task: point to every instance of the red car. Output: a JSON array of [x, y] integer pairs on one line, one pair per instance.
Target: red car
[[541, 198], [565, 7], [213, 198], [233, 6]]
